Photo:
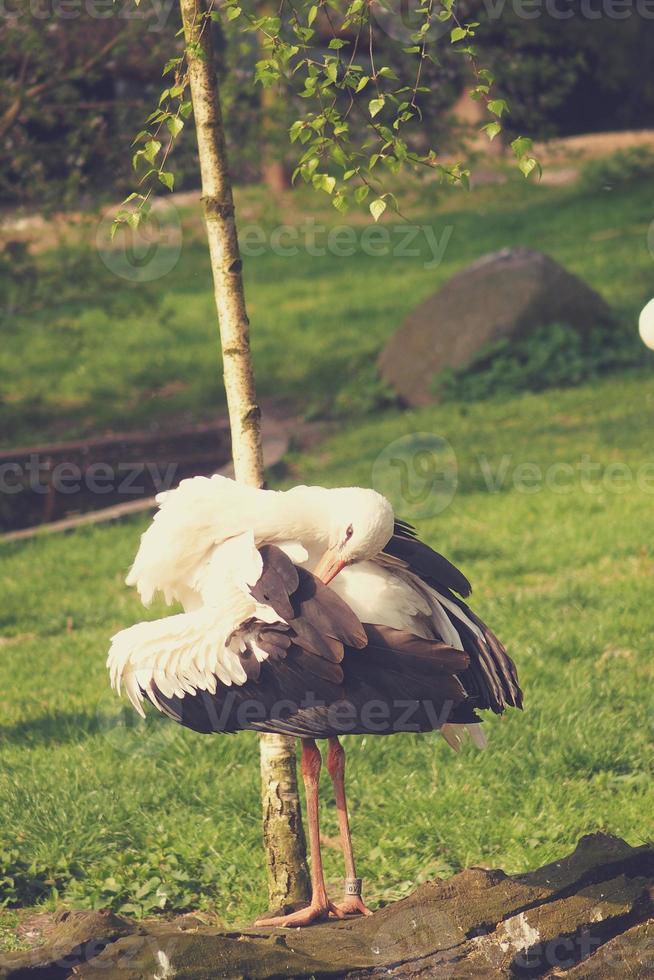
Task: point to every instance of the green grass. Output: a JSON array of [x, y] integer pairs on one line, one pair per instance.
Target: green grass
[[90, 351], [102, 809]]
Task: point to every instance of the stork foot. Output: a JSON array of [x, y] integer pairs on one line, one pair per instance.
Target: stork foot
[[353, 905], [315, 912]]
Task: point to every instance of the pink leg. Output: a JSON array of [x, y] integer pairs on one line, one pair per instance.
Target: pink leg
[[352, 903], [320, 907]]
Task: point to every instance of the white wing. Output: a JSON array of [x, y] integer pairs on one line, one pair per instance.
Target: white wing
[[188, 652], [192, 519], [390, 595]]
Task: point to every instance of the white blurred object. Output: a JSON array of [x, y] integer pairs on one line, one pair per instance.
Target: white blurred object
[[646, 325]]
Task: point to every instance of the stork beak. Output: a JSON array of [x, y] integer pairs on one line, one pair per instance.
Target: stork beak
[[329, 566]]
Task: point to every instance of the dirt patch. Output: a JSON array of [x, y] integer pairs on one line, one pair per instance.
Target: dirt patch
[[591, 146]]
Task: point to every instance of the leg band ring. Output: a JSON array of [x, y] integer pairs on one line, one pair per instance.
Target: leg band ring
[[353, 886]]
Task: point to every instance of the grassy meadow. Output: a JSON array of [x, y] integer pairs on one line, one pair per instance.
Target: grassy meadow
[[86, 351], [552, 520]]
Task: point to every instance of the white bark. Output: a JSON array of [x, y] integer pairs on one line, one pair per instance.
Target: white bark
[[283, 834]]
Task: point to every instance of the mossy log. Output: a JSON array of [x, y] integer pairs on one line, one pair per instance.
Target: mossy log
[[590, 916]]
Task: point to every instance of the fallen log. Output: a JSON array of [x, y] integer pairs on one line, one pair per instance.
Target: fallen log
[[589, 915]]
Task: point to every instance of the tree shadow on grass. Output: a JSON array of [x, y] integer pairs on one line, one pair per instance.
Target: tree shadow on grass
[[121, 727]]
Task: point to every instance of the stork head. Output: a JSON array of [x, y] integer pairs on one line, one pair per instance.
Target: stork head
[[360, 525]]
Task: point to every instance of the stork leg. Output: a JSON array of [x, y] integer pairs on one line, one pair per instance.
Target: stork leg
[[352, 903], [320, 906]]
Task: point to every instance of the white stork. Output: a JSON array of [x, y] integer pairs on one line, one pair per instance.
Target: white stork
[[264, 643]]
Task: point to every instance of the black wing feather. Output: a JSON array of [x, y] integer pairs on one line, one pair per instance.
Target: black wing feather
[[325, 670], [433, 568], [491, 678]]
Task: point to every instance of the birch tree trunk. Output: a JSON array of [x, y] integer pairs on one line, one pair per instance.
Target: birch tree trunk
[[282, 820]]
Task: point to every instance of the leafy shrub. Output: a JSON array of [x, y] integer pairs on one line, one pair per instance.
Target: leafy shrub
[[556, 356], [632, 166], [139, 882], [25, 882]]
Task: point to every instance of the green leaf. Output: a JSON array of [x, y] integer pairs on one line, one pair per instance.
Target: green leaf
[[170, 64], [363, 81], [295, 130], [527, 164], [313, 13], [340, 202], [167, 179], [375, 106], [232, 13], [522, 145], [339, 156], [175, 125], [458, 33], [497, 107], [151, 149], [324, 182], [361, 193], [310, 166], [377, 208], [492, 129]]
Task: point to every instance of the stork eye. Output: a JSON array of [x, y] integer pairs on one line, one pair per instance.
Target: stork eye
[[349, 533]]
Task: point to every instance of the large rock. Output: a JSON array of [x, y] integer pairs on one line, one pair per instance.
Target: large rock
[[507, 294], [589, 914]]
